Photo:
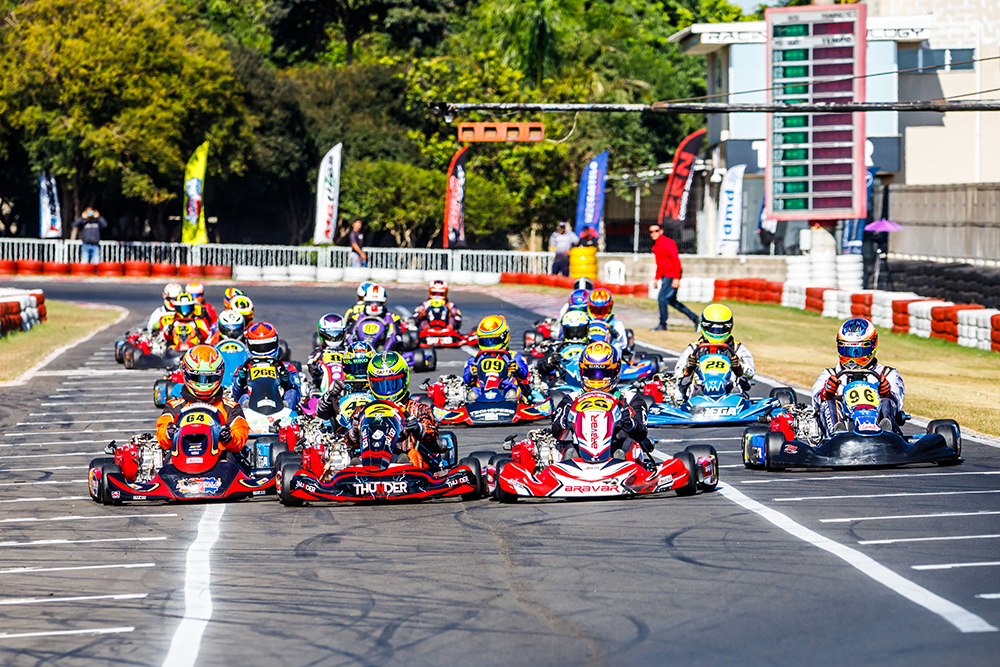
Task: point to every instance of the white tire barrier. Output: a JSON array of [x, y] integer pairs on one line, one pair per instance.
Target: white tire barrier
[[357, 274], [302, 273], [275, 273], [486, 278], [920, 316], [382, 276], [326, 274], [462, 278], [246, 273], [409, 276]]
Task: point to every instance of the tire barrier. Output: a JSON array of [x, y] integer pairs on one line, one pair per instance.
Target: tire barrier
[[20, 310], [548, 280]]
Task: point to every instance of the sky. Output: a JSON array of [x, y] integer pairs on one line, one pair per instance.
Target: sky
[[749, 6]]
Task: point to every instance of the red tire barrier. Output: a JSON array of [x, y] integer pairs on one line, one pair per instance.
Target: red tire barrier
[[110, 269], [138, 269], [82, 269], [564, 281], [191, 270], [42, 312], [509, 278], [218, 271], [29, 267], [55, 268], [531, 279], [8, 267], [164, 269]]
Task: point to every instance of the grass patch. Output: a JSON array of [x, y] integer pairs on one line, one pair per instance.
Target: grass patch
[[66, 323]]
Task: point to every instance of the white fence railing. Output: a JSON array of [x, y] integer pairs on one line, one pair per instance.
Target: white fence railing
[[396, 259]]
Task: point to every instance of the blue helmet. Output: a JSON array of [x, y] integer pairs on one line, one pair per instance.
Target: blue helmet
[[578, 300], [332, 330], [599, 331]]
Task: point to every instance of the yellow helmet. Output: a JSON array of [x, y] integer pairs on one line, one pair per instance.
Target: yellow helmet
[[716, 323], [493, 333]]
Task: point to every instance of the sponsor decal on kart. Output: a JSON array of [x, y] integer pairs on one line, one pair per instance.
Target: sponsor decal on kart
[[869, 427], [790, 449], [720, 411], [189, 486], [492, 414], [610, 487], [379, 488]]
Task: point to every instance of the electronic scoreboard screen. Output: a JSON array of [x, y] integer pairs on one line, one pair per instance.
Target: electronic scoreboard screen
[[816, 161]]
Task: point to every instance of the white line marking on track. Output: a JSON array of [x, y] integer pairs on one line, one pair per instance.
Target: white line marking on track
[[56, 633], [78, 421], [48, 456], [469, 350], [47, 500], [403, 311], [889, 475], [961, 618], [124, 596], [989, 596], [33, 570], [48, 469], [951, 566], [909, 516], [95, 412], [61, 432], [197, 592], [733, 465], [886, 495], [68, 401], [59, 543], [48, 481], [35, 519], [930, 539]]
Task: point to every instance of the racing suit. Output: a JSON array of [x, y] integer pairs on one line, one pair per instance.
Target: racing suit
[[421, 428], [422, 315], [352, 314], [390, 334], [313, 364], [517, 376], [633, 423], [288, 380], [231, 412], [206, 311], [201, 334], [619, 337], [743, 366], [156, 319], [828, 407]]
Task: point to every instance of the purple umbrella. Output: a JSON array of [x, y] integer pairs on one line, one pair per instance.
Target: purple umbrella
[[883, 226]]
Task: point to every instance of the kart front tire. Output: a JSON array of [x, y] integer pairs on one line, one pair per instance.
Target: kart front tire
[[773, 442], [950, 431], [102, 487], [700, 452], [286, 472], [98, 464], [747, 432], [477, 473], [691, 488], [785, 395], [498, 492], [161, 393], [284, 352]]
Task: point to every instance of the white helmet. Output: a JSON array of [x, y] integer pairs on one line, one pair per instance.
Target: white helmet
[[363, 289], [231, 325], [170, 294], [375, 301]]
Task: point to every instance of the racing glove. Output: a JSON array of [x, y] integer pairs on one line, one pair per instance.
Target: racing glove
[[627, 421], [829, 390], [171, 430], [414, 426], [283, 378], [691, 365], [241, 375], [884, 388], [337, 389], [736, 365], [415, 458], [225, 434]]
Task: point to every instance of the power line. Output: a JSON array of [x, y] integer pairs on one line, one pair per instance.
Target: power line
[[450, 109]]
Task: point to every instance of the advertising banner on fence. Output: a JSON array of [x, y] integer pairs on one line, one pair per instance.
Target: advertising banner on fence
[[731, 210], [49, 213], [673, 210], [590, 203], [193, 230], [454, 201], [328, 196]]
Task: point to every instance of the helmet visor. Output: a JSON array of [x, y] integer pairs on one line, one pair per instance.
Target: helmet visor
[[231, 330], [389, 387], [493, 342], [600, 311], [856, 350], [184, 309], [332, 336], [204, 382], [717, 330], [598, 373], [263, 348], [578, 332]]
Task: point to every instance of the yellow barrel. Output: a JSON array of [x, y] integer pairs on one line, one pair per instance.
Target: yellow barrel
[[583, 262]]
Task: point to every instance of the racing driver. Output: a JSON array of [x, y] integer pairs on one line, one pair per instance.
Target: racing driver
[[437, 294], [715, 329], [857, 342], [262, 344], [494, 336], [203, 369]]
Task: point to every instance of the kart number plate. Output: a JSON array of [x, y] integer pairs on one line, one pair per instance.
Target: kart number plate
[[859, 393], [436, 340], [263, 372], [370, 328], [493, 365], [715, 365], [195, 418]]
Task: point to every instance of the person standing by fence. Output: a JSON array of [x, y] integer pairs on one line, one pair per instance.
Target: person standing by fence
[[561, 242], [90, 224], [357, 240], [668, 272]]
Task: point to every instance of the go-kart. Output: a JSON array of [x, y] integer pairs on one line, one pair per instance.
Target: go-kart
[[488, 404], [233, 353], [326, 469], [374, 331], [586, 467], [720, 401], [793, 437], [198, 467], [567, 377], [434, 330], [140, 350]]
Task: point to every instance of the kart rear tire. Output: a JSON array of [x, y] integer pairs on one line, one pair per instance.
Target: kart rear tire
[[496, 458], [952, 433], [756, 429], [702, 451], [408, 341], [98, 464], [454, 442], [102, 487], [284, 352], [691, 488], [120, 353], [477, 472], [287, 471], [430, 358], [277, 449], [498, 493], [419, 361], [648, 400], [773, 442], [785, 395]]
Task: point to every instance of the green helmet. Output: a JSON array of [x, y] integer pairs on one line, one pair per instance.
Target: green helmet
[[389, 377]]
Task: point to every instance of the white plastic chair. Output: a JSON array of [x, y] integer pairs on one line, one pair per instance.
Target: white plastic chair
[[614, 272]]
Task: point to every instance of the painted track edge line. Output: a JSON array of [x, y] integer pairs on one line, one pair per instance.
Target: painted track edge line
[[964, 620]]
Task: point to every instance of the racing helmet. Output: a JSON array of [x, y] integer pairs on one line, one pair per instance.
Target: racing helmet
[[196, 290], [857, 342], [244, 306], [262, 340], [184, 306], [332, 330], [599, 331], [231, 325], [716, 324], [389, 377], [438, 289], [600, 304], [203, 369], [493, 333], [574, 325], [227, 298], [170, 294], [363, 289], [355, 362], [583, 283], [375, 300], [578, 300], [599, 367]]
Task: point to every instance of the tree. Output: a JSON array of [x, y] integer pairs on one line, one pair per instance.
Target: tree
[[117, 92]]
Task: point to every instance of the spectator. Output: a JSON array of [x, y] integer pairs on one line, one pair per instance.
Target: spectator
[[91, 222], [357, 240], [668, 272], [588, 237], [561, 242]]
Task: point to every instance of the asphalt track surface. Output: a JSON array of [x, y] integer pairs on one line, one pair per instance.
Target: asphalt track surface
[[905, 571]]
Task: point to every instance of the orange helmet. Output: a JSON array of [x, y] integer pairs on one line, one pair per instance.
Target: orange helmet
[[262, 340], [438, 289], [203, 368], [197, 291]]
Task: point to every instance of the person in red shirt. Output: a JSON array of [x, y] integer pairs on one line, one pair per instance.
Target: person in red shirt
[[668, 272]]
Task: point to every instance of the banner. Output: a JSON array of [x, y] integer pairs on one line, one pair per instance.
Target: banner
[[731, 210], [590, 202], [673, 210], [49, 213], [454, 201], [193, 230], [327, 196], [854, 229]]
